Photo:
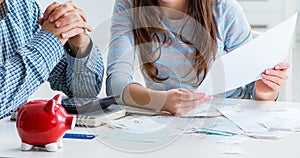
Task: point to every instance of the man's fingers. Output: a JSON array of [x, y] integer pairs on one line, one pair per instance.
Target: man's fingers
[[78, 10], [78, 24], [71, 3], [81, 13], [73, 32], [65, 9], [59, 12], [69, 18], [56, 11], [50, 9], [41, 21]]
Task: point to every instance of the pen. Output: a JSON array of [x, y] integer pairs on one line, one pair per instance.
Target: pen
[[79, 136], [215, 132]]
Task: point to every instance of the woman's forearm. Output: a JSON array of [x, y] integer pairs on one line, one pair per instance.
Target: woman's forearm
[[137, 95]]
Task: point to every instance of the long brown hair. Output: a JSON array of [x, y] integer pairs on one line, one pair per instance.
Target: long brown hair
[[147, 28]]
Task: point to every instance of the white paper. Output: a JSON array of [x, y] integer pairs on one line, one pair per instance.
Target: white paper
[[284, 124], [223, 124], [148, 124], [246, 63], [268, 135], [138, 124], [255, 120], [204, 110]]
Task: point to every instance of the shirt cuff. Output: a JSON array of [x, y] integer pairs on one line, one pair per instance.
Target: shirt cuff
[[253, 92], [92, 62]]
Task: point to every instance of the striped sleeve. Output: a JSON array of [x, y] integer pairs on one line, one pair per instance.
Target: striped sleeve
[[121, 56], [233, 25]]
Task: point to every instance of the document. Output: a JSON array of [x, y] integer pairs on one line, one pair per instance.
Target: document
[[246, 63], [144, 123], [264, 120], [148, 124]]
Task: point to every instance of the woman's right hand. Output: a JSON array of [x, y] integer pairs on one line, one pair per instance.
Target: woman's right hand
[[181, 101]]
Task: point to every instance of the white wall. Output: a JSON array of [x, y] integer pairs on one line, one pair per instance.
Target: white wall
[[96, 10]]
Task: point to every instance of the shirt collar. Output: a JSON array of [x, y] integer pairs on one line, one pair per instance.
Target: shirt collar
[[4, 9]]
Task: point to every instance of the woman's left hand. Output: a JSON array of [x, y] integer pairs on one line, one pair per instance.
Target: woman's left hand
[[272, 81]]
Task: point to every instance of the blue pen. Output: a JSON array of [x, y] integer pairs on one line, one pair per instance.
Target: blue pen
[[231, 133], [79, 136], [215, 132]]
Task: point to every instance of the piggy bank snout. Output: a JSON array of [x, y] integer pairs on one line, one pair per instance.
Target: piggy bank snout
[[70, 122]]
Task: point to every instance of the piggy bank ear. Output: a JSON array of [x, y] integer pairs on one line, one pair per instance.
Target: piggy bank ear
[[57, 98], [51, 106]]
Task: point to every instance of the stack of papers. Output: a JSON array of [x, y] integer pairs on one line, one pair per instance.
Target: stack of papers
[[158, 123], [178, 125], [264, 122]]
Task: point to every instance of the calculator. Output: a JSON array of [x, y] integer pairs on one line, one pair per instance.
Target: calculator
[[87, 105]]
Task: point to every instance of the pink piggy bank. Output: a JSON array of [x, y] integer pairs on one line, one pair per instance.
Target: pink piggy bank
[[43, 123]]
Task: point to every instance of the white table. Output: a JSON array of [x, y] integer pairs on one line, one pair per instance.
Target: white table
[[186, 145]]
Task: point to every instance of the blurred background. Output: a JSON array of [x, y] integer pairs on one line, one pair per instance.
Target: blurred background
[[262, 15]]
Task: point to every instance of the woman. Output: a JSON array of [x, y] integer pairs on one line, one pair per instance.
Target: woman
[[176, 41]]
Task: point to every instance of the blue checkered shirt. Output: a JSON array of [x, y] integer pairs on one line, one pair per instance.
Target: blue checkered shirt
[[30, 56]]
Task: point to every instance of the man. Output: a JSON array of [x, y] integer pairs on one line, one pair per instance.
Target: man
[[57, 50]]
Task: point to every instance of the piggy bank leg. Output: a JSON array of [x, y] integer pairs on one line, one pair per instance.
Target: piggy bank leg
[[60, 144], [52, 147], [26, 147]]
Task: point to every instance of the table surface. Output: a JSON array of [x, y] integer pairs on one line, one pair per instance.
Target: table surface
[[184, 145]]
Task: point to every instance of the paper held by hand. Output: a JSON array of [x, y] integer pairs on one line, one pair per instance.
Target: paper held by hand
[[246, 63]]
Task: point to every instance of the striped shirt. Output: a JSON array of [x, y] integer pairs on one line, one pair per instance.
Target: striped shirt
[[30, 56], [175, 62]]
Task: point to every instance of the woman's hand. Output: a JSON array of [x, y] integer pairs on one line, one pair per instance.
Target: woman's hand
[[272, 81], [181, 101]]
